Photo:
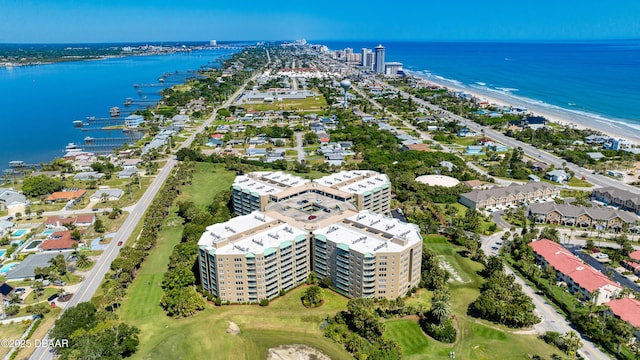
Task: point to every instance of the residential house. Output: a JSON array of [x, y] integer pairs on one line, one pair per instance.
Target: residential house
[[6, 227], [625, 200], [600, 218], [127, 173], [579, 277], [534, 122], [59, 240], [256, 152], [65, 196], [498, 147], [132, 163], [109, 194], [539, 166], [474, 150], [82, 220], [12, 201], [466, 132], [595, 155], [214, 143], [88, 176], [558, 176], [133, 121], [513, 194]]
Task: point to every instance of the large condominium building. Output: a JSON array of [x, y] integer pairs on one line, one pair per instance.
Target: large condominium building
[[367, 190], [369, 255], [312, 226], [252, 257]]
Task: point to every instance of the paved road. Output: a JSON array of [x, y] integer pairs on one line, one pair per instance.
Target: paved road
[[551, 319], [541, 155], [299, 148], [89, 286]]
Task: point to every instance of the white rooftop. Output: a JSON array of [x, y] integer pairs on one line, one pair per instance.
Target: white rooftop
[[255, 243], [263, 182], [354, 181], [363, 240]]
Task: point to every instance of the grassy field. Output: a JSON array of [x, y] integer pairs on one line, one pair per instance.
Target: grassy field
[[477, 339], [574, 181], [284, 321], [10, 332], [310, 104]]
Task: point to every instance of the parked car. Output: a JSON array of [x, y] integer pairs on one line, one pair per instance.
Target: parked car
[[10, 218], [53, 297], [311, 217], [119, 243], [20, 291], [59, 283]]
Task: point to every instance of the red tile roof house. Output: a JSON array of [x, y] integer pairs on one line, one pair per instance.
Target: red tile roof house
[[628, 310], [579, 277], [64, 196], [59, 240]]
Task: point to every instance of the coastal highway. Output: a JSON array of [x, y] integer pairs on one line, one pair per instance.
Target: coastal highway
[[540, 155], [89, 286]]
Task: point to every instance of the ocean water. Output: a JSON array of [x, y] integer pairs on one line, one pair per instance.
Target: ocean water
[[585, 81], [40, 103]]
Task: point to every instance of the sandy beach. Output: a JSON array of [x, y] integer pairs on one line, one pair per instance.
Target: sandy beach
[[564, 117]]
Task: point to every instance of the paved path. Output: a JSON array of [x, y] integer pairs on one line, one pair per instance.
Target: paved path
[[299, 148]]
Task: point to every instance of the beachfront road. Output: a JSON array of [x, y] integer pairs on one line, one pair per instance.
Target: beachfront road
[[89, 286], [541, 155]]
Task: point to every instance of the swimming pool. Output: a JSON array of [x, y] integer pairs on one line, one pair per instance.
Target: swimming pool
[[32, 245], [19, 233], [48, 232], [6, 268], [2, 252]]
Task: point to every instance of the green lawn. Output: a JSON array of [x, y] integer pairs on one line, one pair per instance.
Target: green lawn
[[11, 332], [309, 104], [574, 181], [477, 339]]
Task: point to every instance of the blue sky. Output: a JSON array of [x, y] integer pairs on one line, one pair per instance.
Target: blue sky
[[48, 21]]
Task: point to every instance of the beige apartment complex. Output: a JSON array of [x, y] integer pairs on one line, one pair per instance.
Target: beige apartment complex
[[367, 190], [311, 226]]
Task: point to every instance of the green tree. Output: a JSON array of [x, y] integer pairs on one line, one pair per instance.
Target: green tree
[[41, 185], [80, 317], [312, 296]]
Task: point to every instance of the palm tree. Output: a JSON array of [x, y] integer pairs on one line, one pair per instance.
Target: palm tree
[[82, 261], [571, 342]]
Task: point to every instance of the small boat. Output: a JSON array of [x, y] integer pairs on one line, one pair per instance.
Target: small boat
[[78, 123], [114, 111], [136, 86], [88, 140], [128, 101], [161, 80], [71, 146]]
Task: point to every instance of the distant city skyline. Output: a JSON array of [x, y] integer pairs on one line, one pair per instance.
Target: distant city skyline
[[73, 21]]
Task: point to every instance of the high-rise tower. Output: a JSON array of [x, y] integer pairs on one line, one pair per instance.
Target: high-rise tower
[[379, 67]]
